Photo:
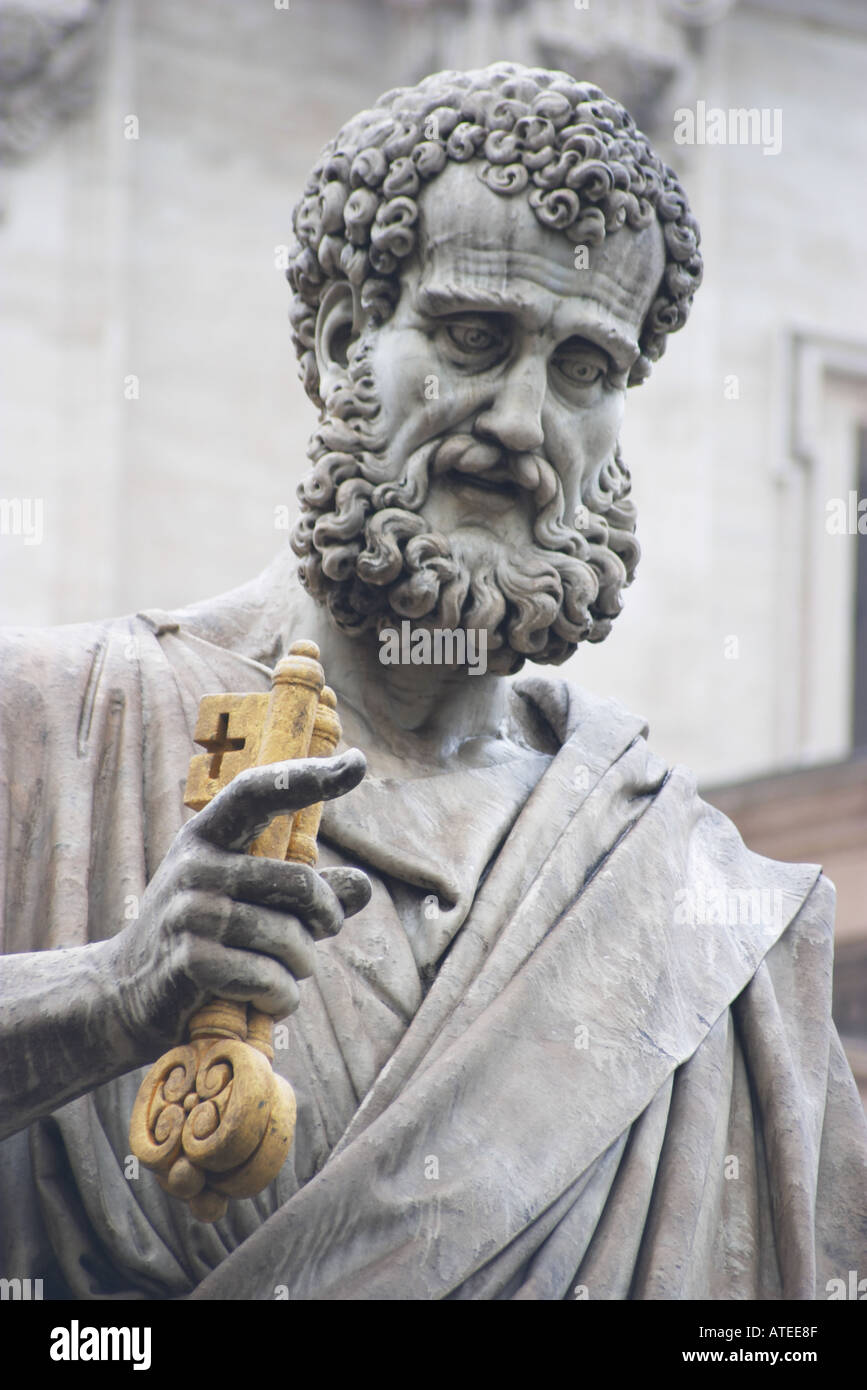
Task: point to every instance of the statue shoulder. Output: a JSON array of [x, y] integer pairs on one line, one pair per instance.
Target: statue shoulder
[[603, 729], [51, 674], [568, 710], [40, 652]]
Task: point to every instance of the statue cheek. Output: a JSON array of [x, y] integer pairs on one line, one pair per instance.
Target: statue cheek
[[409, 373], [577, 442], [592, 430], [444, 394]]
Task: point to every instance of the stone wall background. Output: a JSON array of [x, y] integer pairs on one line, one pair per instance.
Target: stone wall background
[[154, 258]]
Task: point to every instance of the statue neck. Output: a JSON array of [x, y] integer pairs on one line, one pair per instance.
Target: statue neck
[[421, 714]]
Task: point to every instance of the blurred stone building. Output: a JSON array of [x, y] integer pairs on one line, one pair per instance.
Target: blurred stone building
[[151, 158]]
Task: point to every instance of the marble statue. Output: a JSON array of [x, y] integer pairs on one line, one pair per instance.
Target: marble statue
[[554, 1032]]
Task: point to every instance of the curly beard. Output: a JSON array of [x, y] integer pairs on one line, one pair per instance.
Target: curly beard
[[371, 558]]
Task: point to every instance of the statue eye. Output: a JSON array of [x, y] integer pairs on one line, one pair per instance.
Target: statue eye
[[581, 366], [471, 337]]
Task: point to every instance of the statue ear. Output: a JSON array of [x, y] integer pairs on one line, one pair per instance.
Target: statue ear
[[336, 328]]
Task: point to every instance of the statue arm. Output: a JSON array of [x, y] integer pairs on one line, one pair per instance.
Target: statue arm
[[62, 1030]]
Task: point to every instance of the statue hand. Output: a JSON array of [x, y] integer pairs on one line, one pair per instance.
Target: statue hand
[[217, 922]]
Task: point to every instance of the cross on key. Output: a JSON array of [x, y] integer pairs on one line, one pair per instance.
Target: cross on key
[[221, 744], [229, 728]]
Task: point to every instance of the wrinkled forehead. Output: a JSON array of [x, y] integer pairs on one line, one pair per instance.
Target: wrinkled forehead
[[474, 242]]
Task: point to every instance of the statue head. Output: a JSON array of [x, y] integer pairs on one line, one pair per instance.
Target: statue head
[[484, 263]]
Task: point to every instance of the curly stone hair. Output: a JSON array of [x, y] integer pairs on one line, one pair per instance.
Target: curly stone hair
[[587, 166]]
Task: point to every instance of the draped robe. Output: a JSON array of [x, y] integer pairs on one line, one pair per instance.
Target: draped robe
[[540, 1064]]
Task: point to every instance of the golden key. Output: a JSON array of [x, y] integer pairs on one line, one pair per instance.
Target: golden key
[[212, 1119]]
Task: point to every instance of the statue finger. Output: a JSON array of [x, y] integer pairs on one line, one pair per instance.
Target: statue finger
[[351, 886], [251, 800], [282, 885], [244, 976], [279, 935]]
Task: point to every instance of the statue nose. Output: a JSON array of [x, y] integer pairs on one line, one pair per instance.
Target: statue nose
[[514, 416]]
